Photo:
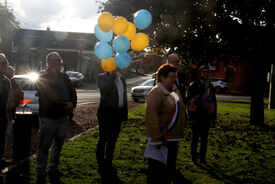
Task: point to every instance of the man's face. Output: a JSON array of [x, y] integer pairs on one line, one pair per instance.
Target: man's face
[[174, 60], [55, 63], [3, 65], [204, 73]]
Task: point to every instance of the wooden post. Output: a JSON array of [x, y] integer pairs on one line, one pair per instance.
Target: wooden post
[[271, 80]]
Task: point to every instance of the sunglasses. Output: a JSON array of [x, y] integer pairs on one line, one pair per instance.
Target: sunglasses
[[205, 72]]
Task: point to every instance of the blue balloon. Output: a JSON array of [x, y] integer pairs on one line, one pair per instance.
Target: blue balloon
[[103, 50], [122, 60], [121, 44], [103, 36], [142, 19]]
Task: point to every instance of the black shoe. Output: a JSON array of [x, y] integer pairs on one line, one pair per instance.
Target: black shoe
[[4, 163], [54, 176], [41, 179], [194, 160], [202, 161]]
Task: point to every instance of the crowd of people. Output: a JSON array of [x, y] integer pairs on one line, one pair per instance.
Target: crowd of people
[[169, 106]]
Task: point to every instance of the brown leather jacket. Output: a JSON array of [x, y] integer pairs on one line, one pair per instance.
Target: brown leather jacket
[[159, 107], [51, 100]]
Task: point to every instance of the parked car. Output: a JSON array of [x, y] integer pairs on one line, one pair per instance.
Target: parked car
[[76, 78], [29, 105], [140, 92], [219, 84]]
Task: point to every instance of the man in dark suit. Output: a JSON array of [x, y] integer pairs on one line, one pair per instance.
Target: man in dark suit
[[180, 82], [5, 92], [112, 111]]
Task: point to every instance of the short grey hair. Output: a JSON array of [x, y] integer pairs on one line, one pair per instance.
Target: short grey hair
[[203, 67], [50, 55], [170, 56]]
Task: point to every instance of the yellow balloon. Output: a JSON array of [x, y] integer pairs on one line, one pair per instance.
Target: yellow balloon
[[105, 21], [139, 42], [120, 25], [131, 31], [109, 64]]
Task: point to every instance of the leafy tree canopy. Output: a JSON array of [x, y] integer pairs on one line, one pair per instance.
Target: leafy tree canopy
[[204, 28]]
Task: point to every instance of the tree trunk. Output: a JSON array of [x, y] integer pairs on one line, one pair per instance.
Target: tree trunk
[[257, 92]]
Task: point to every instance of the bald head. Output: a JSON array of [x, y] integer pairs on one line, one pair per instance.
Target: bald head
[[174, 60], [54, 61], [10, 72]]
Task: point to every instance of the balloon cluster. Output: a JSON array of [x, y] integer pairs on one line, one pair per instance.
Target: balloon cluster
[[126, 37]]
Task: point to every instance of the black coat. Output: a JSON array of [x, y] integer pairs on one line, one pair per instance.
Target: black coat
[[108, 109], [196, 90]]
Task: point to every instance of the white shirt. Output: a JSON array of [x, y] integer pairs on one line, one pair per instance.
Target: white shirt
[[120, 89]]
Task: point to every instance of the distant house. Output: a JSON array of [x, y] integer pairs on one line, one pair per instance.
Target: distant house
[[8, 30], [31, 47]]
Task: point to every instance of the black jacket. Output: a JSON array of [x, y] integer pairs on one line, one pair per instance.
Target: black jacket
[[4, 96], [108, 107], [196, 90]]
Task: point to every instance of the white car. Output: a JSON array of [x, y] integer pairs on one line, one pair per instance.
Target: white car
[[140, 92], [30, 105], [219, 84]]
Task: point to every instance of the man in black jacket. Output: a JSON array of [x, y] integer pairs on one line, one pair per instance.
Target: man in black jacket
[[5, 92], [180, 82], [57, 98], [112, 111], [202, 110]]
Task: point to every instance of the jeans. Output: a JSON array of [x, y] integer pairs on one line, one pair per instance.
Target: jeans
[[108, 134], [200, 129], [8, 132], [50, 130]]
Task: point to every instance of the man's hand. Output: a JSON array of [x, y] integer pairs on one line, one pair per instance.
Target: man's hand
[[11, 105], [69, 106]]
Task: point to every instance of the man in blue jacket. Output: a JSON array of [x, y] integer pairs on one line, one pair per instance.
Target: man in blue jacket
[[57, 98]]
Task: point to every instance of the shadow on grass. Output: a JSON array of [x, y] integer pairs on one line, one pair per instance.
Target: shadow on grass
[[217, 174], [18, 174]]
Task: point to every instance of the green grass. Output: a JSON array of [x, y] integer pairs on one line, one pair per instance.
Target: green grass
[[237, 151]]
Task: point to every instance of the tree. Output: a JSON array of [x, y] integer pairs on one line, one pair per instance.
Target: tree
[[203, 29]]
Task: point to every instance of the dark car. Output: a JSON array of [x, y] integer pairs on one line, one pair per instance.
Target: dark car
[[76, 78]]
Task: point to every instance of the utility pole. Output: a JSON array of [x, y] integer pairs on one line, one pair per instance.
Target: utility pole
[[6, 4], [271, 80]]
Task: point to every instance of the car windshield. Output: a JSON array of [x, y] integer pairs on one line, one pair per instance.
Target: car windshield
[[148, 83], [25, 83]]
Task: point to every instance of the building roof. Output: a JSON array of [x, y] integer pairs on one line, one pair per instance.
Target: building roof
[[55, 39]]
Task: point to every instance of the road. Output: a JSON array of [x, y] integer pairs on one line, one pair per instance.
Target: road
[[86, 96]]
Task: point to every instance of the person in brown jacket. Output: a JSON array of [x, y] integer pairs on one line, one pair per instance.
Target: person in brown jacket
[[165, 123], [57, 98]]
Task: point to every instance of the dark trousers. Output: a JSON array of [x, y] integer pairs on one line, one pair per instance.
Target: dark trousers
[[199, 130], [108, 134], [3, 125], [160, 173]]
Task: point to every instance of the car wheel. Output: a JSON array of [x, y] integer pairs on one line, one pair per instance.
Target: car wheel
[[135, 99], [218, 89]]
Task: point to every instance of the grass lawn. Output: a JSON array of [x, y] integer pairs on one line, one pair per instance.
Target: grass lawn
[[237, 151]]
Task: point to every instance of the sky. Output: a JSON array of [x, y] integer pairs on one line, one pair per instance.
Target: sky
[[59, 15]]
